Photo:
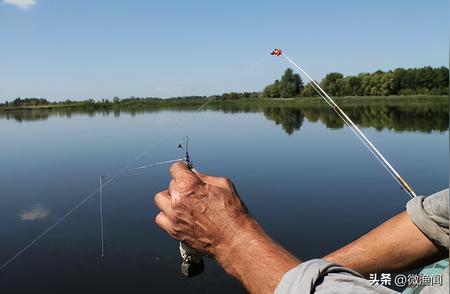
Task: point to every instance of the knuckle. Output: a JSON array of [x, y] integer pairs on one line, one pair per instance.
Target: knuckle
[[160, 195], [225, 181], [178, 222], [177, 218], [159, 199], [175, 205], [158, 219], [175, 166], [178, 225], [176, 233], [183, 239], [184, 185]]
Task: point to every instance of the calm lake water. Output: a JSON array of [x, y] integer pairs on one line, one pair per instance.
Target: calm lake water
[[304, 177]]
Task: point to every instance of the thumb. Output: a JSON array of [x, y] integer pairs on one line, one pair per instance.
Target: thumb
[[181, 172]]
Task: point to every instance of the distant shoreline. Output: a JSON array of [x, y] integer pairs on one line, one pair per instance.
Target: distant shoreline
[[297, 101]]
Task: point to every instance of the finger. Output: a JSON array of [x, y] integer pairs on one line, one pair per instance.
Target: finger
[[172, 187], [164, 222], [181, 172], [162, 200]]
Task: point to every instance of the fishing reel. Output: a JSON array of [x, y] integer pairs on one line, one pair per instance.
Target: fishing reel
[[192, 261]]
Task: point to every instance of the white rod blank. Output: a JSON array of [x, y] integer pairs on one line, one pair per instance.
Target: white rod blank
[[356, 131]]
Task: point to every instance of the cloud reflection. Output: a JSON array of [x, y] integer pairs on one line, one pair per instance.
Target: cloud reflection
[[35, 212]]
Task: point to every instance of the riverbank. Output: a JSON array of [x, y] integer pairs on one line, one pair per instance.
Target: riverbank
[[179, 102]]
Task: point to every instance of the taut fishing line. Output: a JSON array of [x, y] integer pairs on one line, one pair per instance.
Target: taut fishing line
[[100, 179], [101, 194], [253, 66], [103, 185]]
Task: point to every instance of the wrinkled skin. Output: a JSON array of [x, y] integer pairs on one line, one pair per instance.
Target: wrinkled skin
[[200, 211], [207, 214]]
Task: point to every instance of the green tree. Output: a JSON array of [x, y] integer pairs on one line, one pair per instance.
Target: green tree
[[291, 84], [440, 78], [386, 86], [424, 79], [309, 91], [272, 90], [331, 83], [354, 85], [407, 84]]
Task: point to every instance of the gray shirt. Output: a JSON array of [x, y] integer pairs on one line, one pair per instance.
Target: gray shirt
[[430, 215]]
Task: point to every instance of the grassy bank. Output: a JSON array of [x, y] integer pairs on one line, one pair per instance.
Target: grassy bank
[[299, 101], [353, 100]]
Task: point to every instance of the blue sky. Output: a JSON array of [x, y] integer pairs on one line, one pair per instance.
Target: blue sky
[[99, 49]]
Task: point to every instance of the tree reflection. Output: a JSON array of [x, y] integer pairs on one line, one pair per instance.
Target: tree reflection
[[290, 118], [398, 117]]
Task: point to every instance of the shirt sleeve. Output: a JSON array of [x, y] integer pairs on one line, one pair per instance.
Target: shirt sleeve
[[431, 216], [319, 276]]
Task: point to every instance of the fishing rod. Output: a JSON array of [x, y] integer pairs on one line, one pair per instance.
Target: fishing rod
[[391, 170], [192, 263]]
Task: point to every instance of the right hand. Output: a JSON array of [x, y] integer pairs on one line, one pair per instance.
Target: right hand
[[202, 211]]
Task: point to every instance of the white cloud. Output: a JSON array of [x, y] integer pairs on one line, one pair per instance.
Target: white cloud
[[21, 4], [35, 212]]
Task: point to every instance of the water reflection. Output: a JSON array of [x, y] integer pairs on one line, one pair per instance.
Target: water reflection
[[290, 118], [34, 213], [402, 117]]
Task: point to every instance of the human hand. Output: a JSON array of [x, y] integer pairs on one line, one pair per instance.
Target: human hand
[[206, 213], [202, 211]]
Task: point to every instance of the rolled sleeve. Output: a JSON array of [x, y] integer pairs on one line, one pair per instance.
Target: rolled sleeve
[[320, 276], [431, 216]]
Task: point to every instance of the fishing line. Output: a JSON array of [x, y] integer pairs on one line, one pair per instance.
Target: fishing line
[[346, 120], [250, 68], [153, 164], [96, 190], [101, 216], [355, 130], [317, 87], [357, 135], [101, 195]]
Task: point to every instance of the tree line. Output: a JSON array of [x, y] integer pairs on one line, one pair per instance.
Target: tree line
[[125, 102], [411, 81]]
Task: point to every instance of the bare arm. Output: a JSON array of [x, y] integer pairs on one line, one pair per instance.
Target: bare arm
[[396, 245], [207, 214], [255, 259]]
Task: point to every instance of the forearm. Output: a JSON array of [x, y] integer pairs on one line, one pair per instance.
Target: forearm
[[255, 259], [396, 245]]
